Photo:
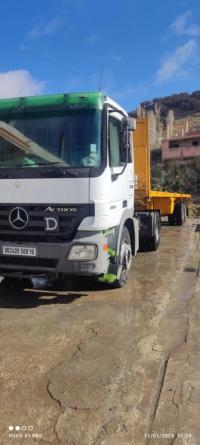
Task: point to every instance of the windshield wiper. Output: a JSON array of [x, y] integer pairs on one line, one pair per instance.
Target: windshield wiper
[[42, 164], [37, 164], [4, 175], [51, 163], [59, 171]]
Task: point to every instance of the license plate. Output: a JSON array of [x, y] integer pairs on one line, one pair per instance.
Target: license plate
[[19, 251]]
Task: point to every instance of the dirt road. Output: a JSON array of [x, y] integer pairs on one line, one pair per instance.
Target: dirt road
[[91, 366]]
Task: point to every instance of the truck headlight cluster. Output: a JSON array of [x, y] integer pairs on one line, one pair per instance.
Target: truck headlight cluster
[[83, 252]]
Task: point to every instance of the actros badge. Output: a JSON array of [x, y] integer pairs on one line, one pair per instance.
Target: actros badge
[[18, 218]]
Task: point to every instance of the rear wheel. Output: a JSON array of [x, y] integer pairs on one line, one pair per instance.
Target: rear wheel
[[171, 220], [125, 259], [178, 217], [180, 213], [154, 241]]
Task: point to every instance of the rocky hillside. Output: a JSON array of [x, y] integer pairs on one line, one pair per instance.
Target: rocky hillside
[[182, 104], [172, 116]]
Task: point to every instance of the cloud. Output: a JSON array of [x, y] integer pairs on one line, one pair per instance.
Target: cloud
[[174, 63], [182, 25], [19, 83], [49, 29]]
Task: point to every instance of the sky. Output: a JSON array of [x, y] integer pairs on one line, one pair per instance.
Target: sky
[[131, 50]]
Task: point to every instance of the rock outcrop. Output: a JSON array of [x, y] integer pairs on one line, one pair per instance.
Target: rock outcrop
[[170, 116]]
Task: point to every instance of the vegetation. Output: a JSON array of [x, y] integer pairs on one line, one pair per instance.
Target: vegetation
[[182, 104], [181, 177], [175, 176]]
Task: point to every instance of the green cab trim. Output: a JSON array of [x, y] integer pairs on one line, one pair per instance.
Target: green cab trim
[[111, 252], [108, 278], [93, 100]]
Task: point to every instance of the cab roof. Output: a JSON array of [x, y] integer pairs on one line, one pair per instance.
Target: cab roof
[[94, 100]]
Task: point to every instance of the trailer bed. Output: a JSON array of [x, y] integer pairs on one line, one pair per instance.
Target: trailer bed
[[145, 198], [165, 201]]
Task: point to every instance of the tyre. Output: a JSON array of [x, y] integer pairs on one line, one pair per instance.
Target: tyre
[[171, 220], [13, 283], [180, 213], [125, 259], [154, 241]]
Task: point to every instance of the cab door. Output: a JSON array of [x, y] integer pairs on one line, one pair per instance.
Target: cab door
[[119, 183]]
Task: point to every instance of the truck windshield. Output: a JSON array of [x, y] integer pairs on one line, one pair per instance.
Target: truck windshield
[[64, 138]]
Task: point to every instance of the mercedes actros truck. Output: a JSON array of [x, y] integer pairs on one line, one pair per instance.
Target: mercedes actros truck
[[67, 188]]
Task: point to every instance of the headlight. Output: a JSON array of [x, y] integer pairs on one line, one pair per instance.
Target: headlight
[[83, 252]]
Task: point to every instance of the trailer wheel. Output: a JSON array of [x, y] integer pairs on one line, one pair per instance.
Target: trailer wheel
[[154, 241], [180, 213], [171, 220], [125, 259]]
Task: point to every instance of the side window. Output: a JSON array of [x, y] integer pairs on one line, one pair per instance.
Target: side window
[[114, 142]]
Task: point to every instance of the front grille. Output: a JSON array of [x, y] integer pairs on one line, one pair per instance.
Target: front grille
[[28, 262], [35, 231]]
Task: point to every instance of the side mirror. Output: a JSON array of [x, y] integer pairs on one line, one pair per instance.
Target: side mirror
[[125, 139], [126, 144], [128, 123], [132, 124]]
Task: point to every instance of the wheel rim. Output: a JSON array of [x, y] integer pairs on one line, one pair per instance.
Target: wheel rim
[[183, 213], [125, 259], [156, 234]]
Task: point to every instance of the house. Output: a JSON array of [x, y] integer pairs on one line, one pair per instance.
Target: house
[[182, 148]]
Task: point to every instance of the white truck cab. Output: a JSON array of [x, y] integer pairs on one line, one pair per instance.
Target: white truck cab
[[66, 187]]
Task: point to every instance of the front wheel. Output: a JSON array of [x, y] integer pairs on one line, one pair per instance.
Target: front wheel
[[15, 284], [125, 259]]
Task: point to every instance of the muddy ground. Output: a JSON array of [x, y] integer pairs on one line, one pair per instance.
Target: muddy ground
[[93, 366]]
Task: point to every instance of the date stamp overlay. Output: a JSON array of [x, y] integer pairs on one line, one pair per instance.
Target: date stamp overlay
[[163, 436]]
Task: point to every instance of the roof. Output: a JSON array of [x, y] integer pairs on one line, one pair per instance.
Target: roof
[[93, 100], [192, 133], [189, 135]]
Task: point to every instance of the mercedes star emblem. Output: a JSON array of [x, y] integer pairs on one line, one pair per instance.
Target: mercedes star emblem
[[18, 218]]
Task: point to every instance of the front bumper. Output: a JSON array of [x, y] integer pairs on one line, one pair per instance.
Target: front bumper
[[52, 259]]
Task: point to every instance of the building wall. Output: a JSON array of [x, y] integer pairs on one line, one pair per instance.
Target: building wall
[[167, 127], [183, 125], [183, 152]]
